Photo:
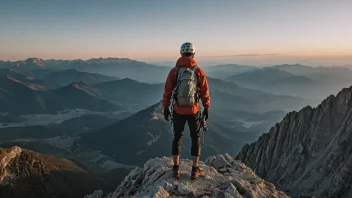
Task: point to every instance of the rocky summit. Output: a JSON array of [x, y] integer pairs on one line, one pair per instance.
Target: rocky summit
[[225, 177], [309, 153]]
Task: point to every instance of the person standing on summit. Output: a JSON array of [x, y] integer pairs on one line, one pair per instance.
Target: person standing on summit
[[185, 86]]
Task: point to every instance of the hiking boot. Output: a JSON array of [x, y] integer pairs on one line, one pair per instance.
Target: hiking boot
[[176, 172], [197, 172]]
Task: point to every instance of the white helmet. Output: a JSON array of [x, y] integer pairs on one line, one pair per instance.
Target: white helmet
[[188, 48]]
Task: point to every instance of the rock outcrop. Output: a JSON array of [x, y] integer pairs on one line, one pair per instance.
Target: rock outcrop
[[225, 177], [310, 152], [24, 173]]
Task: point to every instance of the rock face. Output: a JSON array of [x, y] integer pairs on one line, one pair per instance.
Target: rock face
[[24, 173], [310, 152], [225, 177]]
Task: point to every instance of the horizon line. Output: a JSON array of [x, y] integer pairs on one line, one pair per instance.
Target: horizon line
[[155, 63]]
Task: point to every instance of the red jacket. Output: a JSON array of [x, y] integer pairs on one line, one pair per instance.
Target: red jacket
[[187, 62]]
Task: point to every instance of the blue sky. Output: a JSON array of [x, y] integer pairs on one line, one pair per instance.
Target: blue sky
[[154, 30]]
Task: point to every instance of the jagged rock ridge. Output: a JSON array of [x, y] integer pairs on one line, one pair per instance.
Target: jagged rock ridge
[[310, 152], [225, 177], [24, 173]]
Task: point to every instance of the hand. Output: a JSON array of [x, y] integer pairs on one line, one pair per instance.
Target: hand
[[205, 114], [167, 114]]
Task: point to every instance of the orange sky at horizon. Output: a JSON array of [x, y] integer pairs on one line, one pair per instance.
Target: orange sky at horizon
[[296, 31]]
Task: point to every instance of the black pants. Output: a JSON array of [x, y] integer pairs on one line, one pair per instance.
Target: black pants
[[194, 127]]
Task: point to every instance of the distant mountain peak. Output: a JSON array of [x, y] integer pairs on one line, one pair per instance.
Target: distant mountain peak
[[109, 60], [34, 60], [225, 177], [31, 63], [129, 80], [123, 82], [37, 61]]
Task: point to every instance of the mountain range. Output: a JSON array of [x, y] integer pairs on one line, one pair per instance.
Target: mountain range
[[117, 67], [295, 80], [52, 78], [306, 148], [226, 71], [24, 98], [103, 93], [269, 76], [63, 78], [228, 95], [316, 72], [91, 111]]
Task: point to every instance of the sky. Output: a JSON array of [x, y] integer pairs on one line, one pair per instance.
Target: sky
[[259, 32]]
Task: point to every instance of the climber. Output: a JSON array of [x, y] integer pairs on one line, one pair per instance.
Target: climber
[[186, 84]]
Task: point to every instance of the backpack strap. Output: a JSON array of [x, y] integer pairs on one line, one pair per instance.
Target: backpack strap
[[198, 81], [194, 67], [176, 76], [174, 98]]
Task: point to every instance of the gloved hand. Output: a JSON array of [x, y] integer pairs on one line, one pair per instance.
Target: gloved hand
[[205, 114], [167, 114]]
